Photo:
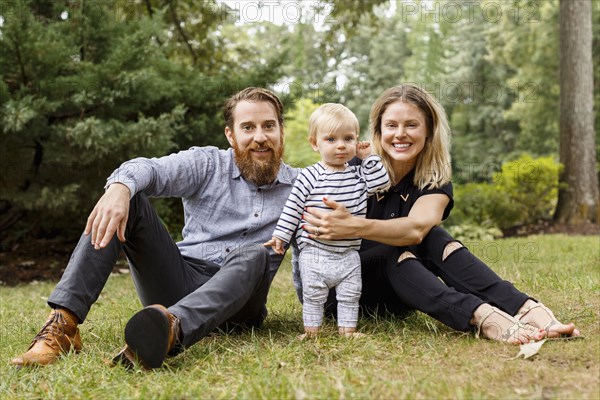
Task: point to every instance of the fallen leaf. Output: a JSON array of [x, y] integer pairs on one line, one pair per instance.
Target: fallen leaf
[[528, 350]]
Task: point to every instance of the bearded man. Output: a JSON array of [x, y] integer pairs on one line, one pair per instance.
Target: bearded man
[[218, 275]]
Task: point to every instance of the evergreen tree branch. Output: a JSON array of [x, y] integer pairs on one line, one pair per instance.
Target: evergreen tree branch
[[20, 61], [151, 14], [182, 32]]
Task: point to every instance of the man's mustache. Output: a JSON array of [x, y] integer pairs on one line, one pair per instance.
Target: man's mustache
[[268, 145]]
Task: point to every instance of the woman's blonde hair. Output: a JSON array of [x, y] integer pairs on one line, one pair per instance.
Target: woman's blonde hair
[[433, 167], [329, 117]]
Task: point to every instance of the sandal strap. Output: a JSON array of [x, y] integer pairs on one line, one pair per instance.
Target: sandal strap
[[553, 321], [482, 321], [510, 331]]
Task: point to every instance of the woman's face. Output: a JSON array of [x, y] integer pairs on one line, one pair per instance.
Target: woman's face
[[403, 133]]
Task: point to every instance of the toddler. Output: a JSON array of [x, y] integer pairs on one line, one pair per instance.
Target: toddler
[[325, 264]]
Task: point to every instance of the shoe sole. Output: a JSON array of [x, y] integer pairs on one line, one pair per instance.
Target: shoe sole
[[147, 335]]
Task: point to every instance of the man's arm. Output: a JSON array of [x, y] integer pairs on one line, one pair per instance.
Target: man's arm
[[175, 175]]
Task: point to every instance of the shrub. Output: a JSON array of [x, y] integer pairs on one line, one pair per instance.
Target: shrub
[[531, 186], [474, 232], [480, 204], [524, 191]]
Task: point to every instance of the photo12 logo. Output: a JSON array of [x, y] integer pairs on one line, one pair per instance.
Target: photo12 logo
[[275, 11], [455, 11]]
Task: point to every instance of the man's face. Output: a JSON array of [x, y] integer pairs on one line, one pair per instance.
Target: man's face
[[257, 141]]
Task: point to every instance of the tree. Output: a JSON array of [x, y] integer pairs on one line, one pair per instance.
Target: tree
[[578, 200], [86, 85], [374, 61]]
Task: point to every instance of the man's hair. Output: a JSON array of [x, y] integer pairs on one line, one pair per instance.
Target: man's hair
[[253, 94], [328, 118], [433, 163]]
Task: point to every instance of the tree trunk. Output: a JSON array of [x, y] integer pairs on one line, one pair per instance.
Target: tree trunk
[[578, 198]]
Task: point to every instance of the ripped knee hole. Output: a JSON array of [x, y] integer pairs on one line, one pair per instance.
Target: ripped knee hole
[[451, 248], [405, 255]]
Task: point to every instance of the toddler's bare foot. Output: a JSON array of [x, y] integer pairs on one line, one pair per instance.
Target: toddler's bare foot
[[309, 332], [349, 332], [353, 334]]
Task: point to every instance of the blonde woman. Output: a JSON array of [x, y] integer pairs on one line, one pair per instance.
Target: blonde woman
[[404, 251]]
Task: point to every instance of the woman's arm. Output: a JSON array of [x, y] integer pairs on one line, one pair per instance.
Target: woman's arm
[[426, 213]]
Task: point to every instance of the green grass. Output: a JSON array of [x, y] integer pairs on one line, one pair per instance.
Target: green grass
[[412, 358]]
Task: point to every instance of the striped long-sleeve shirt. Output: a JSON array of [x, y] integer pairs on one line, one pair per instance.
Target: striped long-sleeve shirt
[[350, 187]]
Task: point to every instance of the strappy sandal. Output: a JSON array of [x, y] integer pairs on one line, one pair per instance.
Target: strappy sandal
[[510, 333], [550, 324]]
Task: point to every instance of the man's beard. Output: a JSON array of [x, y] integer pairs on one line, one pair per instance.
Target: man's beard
[[259, 172]]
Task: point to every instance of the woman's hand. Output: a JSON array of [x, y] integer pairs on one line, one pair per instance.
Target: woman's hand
[[333, 225]]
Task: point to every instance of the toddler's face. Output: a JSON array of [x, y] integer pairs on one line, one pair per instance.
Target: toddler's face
[[338, 147]]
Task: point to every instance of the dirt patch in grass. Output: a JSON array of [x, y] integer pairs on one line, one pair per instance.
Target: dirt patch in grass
[[549, 227], [36, 260]]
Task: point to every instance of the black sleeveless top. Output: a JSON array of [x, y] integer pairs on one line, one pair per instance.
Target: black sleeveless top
[[399, 199]]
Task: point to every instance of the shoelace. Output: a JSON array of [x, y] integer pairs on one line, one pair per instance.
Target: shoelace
[[54, 326]]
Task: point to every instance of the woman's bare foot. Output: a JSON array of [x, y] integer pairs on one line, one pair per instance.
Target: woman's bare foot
[[540, 316], [495, 324], [350, 332]]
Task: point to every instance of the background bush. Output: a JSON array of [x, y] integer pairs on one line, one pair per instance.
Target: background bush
[[523, 192]]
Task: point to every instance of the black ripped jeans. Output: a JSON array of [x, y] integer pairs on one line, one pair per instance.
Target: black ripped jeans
[[414, 284]]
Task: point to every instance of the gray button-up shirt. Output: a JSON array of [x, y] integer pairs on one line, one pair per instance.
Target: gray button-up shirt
[[222, 210]]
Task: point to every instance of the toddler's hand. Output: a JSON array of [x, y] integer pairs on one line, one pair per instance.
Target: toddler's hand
[[276, 244], [363, 150]]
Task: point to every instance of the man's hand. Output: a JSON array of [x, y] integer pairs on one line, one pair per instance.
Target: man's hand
[[276, 244], [363, 150], [109, 215]]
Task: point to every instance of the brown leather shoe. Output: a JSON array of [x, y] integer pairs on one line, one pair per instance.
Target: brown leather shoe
[[151, 334], [59, 335]]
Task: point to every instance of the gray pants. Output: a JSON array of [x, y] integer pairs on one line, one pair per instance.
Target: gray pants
[[321, 270], [202, 294]]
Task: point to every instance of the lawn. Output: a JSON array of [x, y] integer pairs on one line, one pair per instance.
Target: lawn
[[412, 358]]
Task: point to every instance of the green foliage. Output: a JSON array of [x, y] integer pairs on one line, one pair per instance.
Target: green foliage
[[474, 232], [372, 66], [525, 191], [526, 41], [531, 186], [88, 85], [298, 152], [480, 204]]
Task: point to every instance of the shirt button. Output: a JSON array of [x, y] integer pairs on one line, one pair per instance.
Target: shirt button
[[227, 250], [392, 215], [256, 214]]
